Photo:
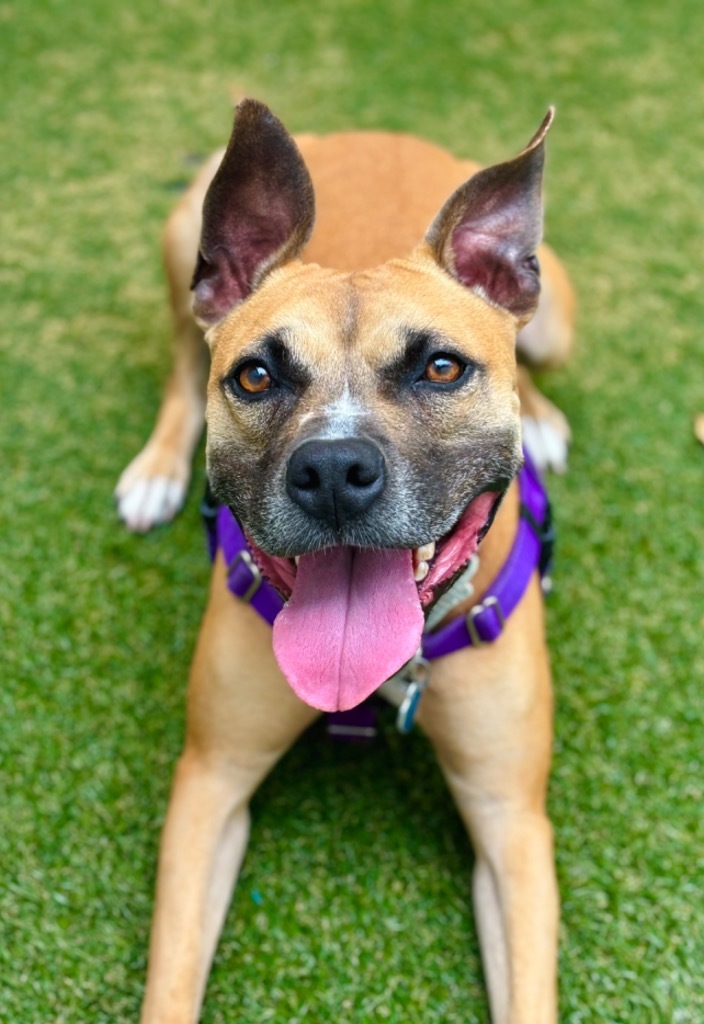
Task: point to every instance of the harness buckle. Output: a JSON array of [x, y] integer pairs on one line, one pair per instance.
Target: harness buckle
[[474, 613], [357, 725], [245, 557]]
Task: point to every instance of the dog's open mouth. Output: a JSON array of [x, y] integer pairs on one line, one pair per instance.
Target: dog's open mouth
[[355, 616]]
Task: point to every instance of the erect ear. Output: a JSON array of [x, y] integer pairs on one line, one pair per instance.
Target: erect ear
[[487, 233], [257, 214]]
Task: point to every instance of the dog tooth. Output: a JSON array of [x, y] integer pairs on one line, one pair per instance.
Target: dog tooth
[[421, 571], [425, 552], [297, 559]]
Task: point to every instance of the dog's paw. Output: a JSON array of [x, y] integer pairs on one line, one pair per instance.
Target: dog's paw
[[547, 441], [150, 492]]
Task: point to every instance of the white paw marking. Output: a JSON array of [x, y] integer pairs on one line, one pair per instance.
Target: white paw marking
[[150, 502], [546, 445]]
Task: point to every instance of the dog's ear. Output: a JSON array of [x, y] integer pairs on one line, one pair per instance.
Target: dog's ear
[[257, 214], [488, 231]]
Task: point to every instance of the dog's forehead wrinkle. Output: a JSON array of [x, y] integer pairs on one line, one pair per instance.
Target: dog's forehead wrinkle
[[351, 316]]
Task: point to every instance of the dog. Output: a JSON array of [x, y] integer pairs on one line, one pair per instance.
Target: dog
[[364, 429]]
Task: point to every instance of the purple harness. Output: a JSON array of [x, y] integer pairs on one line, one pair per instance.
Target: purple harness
[[532, 549]]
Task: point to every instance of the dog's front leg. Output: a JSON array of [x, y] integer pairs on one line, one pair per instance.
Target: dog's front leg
[[203, 844], [515, 904], [242, 717], [488, 714]]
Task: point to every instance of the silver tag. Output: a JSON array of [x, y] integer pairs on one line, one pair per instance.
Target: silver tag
[[416, 676]]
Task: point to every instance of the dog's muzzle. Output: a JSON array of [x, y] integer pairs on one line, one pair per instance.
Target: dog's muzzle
[[336, 480]]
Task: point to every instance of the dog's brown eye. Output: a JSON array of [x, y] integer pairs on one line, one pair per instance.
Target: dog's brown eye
[[254, 378], [443, 370]]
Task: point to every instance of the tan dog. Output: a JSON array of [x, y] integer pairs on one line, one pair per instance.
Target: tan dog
[[364, 426]]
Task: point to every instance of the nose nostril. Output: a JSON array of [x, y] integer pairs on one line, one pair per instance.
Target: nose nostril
[[308, 479], [362, 475]]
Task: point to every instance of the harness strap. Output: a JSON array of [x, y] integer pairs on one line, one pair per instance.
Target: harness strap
[[243, 576]]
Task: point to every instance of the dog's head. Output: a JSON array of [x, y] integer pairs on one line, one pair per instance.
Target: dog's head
[[362, 427]]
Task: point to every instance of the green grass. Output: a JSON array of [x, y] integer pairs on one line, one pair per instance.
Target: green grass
[[353, 901]]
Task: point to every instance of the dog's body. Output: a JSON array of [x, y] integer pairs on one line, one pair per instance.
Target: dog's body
[[356, 417]]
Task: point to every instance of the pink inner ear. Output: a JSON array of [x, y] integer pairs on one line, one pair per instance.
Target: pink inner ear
[[219, 287], [488, 264], [258, 210], [227, 273], [487, 233]]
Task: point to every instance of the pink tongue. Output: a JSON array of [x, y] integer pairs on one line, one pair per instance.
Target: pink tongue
[[354, 619]]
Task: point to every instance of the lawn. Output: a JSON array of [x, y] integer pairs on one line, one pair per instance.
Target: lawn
[[353, 902]]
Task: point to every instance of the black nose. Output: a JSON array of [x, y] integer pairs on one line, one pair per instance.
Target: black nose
[[335, 480]]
